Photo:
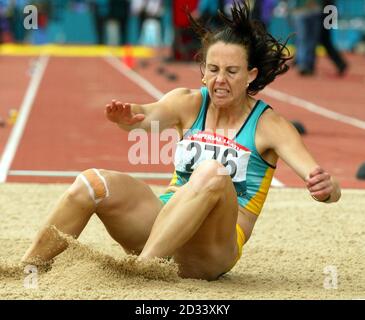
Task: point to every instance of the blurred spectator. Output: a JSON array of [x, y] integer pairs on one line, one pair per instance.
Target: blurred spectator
[[263, 9], [40, 35], [57, 9], [100, 9], [16, 17], [119, 11], [12, 18], [226, 8], [149, 12], [306, 18], [207, 11], [4, 21], [109, 13], [326, 41], [185, 43]]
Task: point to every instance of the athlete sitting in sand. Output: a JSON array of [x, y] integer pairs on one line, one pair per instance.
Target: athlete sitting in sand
[[221, 180]]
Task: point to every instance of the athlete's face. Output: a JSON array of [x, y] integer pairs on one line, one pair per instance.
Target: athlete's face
[[226, 73]]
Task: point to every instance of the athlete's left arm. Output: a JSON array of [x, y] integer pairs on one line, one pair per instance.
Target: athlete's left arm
[[285, 140]]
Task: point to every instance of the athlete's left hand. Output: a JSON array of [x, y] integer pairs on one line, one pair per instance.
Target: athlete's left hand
[[122, 114], [319, 184]]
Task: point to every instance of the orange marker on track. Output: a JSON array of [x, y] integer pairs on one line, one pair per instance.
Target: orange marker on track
[[128, 58]]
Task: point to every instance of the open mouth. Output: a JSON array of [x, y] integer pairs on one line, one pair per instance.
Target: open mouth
[[221, 92]]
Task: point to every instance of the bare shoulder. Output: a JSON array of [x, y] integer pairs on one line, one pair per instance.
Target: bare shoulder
[[183, 96], [272, 119], [185, 103], [275, 128]]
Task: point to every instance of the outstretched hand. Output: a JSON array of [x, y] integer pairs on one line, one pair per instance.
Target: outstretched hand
[[122, 114], [319, 184]]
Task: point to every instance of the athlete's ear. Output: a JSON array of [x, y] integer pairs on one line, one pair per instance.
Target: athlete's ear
[[202, 69], [252, 74]]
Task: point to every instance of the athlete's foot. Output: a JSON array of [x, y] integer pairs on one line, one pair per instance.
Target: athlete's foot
[[48, 243]]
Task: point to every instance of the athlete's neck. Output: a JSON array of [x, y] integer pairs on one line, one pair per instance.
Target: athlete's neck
[[228, 116]]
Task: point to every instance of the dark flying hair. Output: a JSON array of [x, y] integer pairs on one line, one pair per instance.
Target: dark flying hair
[[264, 52]]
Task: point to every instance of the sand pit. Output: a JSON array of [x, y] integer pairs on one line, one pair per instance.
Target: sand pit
[[298, 250]]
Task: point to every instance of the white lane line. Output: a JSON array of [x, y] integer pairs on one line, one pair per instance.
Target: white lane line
[[135, 77], [18, 129], [152, 90], [72, 174], [312, 107], [277, 183]]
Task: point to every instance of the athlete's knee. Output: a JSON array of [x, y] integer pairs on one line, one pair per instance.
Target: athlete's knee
[[210, 175], [90, 186]]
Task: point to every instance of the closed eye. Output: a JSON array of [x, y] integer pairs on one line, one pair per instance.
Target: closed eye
[[233, 70]]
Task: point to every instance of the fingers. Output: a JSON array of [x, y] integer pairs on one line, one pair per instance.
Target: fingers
[[114, 111], [117, 106], [113, 105], [310, 182], [319, 183], [320, 186], [321, 190], [322, 193], [120, 112], [127, 107], [316, 175], [316, 171]]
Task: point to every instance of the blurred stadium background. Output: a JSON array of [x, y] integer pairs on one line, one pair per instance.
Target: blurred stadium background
[[76, 21]]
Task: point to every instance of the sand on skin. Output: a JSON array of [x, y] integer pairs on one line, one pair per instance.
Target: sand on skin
[[297, 248]]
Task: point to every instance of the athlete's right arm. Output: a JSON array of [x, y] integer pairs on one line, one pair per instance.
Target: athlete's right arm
[[169, 111]]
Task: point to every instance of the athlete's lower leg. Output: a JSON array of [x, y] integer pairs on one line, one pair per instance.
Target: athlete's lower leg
[[70, 216]]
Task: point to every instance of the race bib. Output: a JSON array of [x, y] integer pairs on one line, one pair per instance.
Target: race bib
[[201, 146]]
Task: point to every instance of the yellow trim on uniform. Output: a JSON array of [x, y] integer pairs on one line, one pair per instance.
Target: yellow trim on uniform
[[241, 239], [10, 49], [174, 179], [257, 201]]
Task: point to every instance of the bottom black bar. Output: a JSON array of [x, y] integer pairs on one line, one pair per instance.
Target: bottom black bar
[[186, 309]]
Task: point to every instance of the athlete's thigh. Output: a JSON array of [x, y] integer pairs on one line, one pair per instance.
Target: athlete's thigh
[[213, 248], [130, 210]]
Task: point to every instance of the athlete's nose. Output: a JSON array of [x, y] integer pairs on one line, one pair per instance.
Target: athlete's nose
[[221, 77]]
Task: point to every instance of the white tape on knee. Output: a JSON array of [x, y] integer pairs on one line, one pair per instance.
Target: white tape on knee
[[96, 184]]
